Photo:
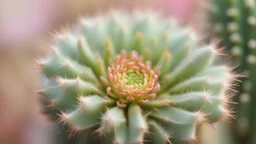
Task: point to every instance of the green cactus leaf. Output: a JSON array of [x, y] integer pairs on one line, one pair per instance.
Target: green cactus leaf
[[159, 135], [67, 45], [176, 115], [57, 65], [137, 124], [88, 112]]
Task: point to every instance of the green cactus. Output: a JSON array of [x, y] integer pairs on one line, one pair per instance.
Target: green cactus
[[235, 22], [136, 78]]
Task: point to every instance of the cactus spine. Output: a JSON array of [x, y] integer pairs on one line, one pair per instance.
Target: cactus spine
[[136, 77], [235, 23]]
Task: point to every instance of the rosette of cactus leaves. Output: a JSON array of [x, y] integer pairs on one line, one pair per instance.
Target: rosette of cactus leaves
[[136, 78]]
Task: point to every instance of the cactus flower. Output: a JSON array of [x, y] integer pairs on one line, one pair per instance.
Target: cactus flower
[[136, 77]]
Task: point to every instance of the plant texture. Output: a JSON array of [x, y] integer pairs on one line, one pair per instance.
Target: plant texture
[[136, 78], [235, 22]]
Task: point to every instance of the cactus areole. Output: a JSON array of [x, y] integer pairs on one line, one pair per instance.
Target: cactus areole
[[137, 77]]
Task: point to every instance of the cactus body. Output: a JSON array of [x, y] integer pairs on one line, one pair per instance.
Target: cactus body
[[136, 77], [234, 21]]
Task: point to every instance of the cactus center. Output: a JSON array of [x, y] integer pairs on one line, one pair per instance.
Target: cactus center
[[132, 79], [135, 79]]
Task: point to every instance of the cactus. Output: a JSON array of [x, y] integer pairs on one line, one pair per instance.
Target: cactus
[[136, 78], [235, 22]]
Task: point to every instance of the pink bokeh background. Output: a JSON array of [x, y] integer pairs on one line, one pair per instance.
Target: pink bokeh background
[[183, 9], [23, 19]]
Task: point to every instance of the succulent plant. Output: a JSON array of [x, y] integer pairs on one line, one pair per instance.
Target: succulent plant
[[235, 22], [136, 78]]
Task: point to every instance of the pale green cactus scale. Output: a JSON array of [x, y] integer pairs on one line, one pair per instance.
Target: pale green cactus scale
[[136, 77]]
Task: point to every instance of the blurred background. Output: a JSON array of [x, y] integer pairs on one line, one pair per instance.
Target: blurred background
[[25, 27]]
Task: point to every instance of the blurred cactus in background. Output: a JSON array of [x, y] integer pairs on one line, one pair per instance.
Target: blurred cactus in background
[[234, 21], [135, 78]]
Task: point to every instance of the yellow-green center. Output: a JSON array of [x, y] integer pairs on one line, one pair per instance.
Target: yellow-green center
[[133, 78]]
